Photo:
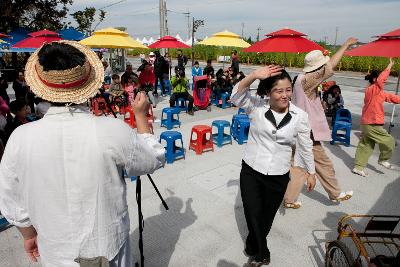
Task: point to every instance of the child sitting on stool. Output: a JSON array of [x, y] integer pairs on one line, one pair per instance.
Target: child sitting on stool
[[179, 85]]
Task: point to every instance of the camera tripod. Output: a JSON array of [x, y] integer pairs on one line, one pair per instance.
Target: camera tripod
[[138, 196]]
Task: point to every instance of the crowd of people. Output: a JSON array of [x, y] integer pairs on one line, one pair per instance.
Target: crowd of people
[[41, 178]]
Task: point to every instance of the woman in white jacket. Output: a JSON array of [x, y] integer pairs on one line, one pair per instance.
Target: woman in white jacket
[[276, 126]]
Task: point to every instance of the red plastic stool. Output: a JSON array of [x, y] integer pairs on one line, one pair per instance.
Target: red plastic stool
[[132, 122], [201, 143]]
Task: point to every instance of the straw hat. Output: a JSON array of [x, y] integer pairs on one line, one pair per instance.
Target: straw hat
[[314, 60], [74, 85]]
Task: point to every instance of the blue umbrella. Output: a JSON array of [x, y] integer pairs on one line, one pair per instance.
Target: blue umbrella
[[16, 35], [71, 34]]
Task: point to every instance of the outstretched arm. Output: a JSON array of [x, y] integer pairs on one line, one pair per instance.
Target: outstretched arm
[[339, 54]]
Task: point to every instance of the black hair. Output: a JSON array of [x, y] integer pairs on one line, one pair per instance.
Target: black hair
[[115, 76], [333, 87], [60, 56], [220, 72], [265, 86], [371, 76], [196, 63], [208, 61], [17, 105]]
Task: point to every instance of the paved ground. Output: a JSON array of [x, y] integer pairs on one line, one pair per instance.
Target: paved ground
[[205, 225]]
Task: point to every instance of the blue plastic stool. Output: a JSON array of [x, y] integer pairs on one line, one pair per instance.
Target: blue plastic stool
[[221, 137], [133, 178], [240, 130], [225, 103], [181, 104], [234, 118], [241, 111], [172, 151], [170, 121], [107, 79], [343, 122]]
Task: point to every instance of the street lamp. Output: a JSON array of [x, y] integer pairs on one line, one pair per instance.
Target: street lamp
[[195, 25]]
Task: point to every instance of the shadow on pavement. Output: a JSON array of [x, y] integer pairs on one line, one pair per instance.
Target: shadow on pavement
[[225, 263], [161, 232]]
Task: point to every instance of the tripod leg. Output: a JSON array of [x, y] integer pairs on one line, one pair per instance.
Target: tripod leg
[[140, 217]]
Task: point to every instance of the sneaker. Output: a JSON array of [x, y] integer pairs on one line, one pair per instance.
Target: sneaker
[[343, 196], [360, 172], [387, 165], [257, 263]]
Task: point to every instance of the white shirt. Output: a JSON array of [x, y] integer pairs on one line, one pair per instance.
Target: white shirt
[[62, 174], [278, 116], [269, 149]]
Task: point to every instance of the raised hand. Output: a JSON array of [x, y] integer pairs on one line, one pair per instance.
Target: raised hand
[[391, 62], [140, 105], [267, 71], [351, 41]]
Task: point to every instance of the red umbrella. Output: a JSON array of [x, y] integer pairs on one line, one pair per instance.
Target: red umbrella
[[383, 47], [168, 42], [37, 39], [2, 35], [394, 33], [285, 40]]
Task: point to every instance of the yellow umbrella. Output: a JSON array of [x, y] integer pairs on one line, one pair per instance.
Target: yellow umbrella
[[225, 38], [111, 38], [1, 41]]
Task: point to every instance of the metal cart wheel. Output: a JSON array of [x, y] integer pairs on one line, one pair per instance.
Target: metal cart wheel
[[338, 255]]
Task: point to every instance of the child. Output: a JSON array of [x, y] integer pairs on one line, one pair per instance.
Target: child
[[116, 87], [129, 88]]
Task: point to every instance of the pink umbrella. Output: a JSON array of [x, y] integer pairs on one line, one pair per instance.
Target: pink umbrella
[[168, 42]]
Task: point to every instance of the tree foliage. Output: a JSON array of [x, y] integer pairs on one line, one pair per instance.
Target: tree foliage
[[86, 18], [33, 14]]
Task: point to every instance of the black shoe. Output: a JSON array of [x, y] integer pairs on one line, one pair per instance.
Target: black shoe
[[249, 253]]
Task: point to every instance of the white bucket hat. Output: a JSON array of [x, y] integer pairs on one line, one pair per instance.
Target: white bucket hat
[[314, 60]]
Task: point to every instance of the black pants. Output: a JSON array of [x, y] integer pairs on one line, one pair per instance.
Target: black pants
[[185, 95], [261, 195], [159, 77]]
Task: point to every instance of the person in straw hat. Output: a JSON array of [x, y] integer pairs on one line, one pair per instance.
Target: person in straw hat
[[61, 178], [317, 68]]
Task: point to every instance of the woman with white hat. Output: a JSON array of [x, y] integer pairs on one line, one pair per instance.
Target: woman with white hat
[[317, 68]]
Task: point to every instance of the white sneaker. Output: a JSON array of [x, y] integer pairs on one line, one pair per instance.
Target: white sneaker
[[387, 165], [343, 196], [360, 172]]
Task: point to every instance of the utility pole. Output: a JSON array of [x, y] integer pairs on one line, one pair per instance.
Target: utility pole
[[161, 7], [258, 33], [165, 18], [187, 14], [325, 39], [242, 29], [336, 33]]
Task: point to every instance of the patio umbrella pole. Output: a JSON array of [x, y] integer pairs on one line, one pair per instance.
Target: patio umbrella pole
[[394, 106]]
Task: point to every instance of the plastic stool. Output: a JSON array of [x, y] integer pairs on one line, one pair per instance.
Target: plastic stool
[[343, 122], [201, 143], [170, 121], [241, 111], [132, 121], [172, 151], [225, 102], [181, 104], [234, 118], [240, 130], [221, 137], [167, 87]]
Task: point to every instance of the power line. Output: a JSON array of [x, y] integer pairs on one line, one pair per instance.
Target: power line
[[113, 4]]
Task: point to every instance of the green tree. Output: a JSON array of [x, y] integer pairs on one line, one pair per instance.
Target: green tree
[[33, 14], [86, 18]]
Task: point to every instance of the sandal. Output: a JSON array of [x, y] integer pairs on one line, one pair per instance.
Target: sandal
[[343, 196], [295, 205]]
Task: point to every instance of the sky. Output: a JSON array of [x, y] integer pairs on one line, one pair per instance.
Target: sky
[[316, 18]]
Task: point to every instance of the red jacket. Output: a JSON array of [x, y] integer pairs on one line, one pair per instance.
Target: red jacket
[[147, 77], [375, 96]]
